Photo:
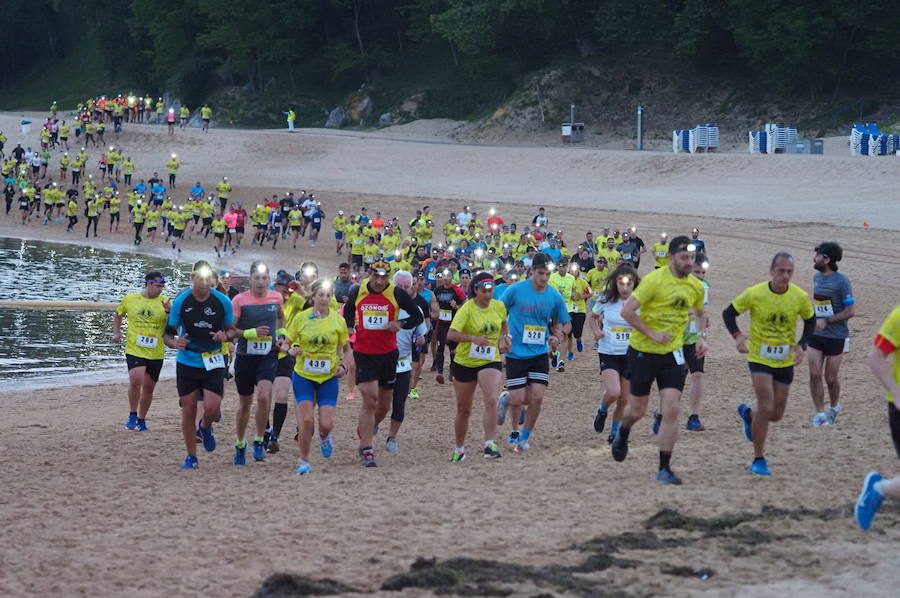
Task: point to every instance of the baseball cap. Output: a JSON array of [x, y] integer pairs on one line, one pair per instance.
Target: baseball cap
[[284, 279]]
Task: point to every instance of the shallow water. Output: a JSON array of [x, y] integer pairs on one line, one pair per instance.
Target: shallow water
[[41, 348]]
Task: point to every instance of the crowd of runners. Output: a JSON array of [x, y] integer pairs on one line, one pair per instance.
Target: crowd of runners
[[500, 310]]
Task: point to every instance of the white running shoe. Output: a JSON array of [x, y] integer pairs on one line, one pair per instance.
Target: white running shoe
[[820, 420]]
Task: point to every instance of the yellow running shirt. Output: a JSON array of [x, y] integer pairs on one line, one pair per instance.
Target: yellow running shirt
[[146, 324], [661, 254], [773, 322], [888, 340], [579, 302], [597, 281], [320, 339], [471, 319], [665, 302]]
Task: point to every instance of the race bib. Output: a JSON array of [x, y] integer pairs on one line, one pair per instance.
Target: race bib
[[824, 309], [445, 315], [259, 346], [678, 354], [620, 336], [213, 360], [776, 352], [315, 365], [534, 335], [404, 364], [692, 326], [375, 320], [661, 254], [232, 230], [148, 342], [488, 353]]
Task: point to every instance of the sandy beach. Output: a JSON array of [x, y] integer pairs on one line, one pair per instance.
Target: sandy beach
[[90, 509]]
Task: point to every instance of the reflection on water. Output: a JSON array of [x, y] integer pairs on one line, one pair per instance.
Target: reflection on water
[[52, 346]]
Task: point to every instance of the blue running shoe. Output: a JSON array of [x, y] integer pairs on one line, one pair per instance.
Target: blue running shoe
[[657, 420], [667, 476], [209, 439], [513, 437], [259, 450], [579, 345], [190, 462], [694, 424], [502, 406], [760, 467], [326, 445], [619, 446], [132, 422], [391, 445], [522, 445], [240, 454], [304, 468], [570, 356], [746, 415], [869, 501], [142, 425], [554, 359]]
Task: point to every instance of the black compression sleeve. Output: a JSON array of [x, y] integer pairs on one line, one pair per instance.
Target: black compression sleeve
[[350, 308], [730, 317], [809, 327], [406, 303]]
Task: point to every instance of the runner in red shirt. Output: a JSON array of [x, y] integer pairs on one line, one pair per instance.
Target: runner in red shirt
[[373, 308]]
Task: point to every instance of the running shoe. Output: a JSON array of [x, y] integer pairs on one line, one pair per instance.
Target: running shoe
[[190, 462], [570, 356], [694, 424], [657, 420], [259, 451], [833, 412], [502, 406], [351, 396], [746, 415], [367, 457], [413, 393], [240, 455], [391, 445], [513, 437], [667, 476], [492, 451], [142, 425], [303, 468], [760, 467], [579, 345], [554, 359], [820, 420], [209, 439], [199, 435], [326, 445], [272, 447], [439, 378], [619, 446], [869, 501], [458, 457], [600, 420], [522, 445], [132, 422], [561, 366]]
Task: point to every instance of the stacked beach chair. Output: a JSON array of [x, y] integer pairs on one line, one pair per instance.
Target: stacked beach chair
[[773, 140], [867, 140], [702, 139]]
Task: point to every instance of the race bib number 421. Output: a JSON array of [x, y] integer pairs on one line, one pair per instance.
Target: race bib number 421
[[374, 319]]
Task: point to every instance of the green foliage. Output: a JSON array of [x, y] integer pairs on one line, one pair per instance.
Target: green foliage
[[294, 48]]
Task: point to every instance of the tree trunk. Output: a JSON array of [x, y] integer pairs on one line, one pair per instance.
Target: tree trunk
[[356, 11]]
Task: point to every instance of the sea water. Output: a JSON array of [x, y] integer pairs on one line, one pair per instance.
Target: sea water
[[46, 348]]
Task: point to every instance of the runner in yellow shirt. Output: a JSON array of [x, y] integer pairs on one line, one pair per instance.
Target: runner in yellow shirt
[[318, 339], [661, 252], [480, 328], [146, 312], [173, 166], [205, 116], [771, 349], [340, 231], [884, 361], [665, 298]]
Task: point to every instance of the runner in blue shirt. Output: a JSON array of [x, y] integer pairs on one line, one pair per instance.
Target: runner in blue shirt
[[537, 314]]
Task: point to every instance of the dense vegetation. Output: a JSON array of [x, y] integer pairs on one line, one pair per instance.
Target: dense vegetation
[[817, 48]]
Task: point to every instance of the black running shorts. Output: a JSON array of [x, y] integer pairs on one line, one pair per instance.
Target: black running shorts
[[382, 368], [781, 375], [250, 370], [189, 380], [522, 372], [645, 368], [154, 366]]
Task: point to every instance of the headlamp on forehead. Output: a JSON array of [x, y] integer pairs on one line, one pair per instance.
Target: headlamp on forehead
[[396, 253], [309, 271], [704, 265], [691, 248], [574, 267], [551, 266], [203, 272], [479, 252], [484, 284], [326, 284], [446, 272], [261, 269], [633, 229], [624, 279], [514, 277], [508, 267], [663, 235], [492, 211]]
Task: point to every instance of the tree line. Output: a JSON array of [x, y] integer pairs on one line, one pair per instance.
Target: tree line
[[190, 47]]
